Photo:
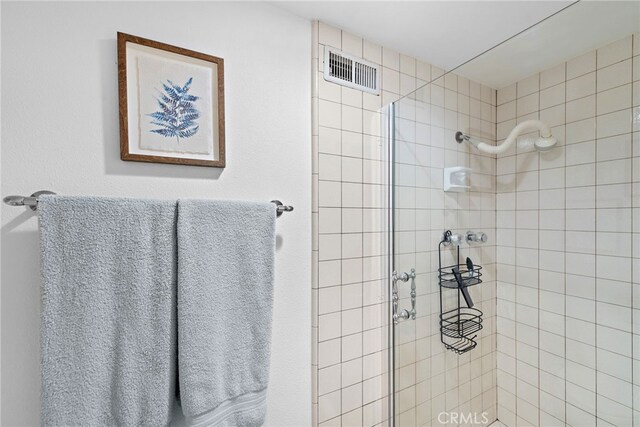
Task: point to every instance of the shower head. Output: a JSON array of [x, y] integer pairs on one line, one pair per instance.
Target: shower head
[[545, 142]]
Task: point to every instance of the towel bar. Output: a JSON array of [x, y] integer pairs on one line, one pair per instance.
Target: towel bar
[[32, 202]]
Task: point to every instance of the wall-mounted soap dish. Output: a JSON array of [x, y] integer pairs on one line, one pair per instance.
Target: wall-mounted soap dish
[[456, 178]]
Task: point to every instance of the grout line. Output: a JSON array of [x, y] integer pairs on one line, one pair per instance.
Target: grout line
[[595, 304], [538, 250], [633, 389]]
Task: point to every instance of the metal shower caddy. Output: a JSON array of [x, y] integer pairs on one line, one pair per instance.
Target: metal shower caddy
[[459, 325]]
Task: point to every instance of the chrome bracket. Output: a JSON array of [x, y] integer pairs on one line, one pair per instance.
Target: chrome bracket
[[404, 314]]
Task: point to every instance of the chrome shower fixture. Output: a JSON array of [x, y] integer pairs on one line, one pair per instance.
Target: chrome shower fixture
[[450, 238], [545, 142], [476, 237]]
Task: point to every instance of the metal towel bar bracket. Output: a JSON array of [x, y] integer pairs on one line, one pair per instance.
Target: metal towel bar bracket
[[280, 208], [32, 202]]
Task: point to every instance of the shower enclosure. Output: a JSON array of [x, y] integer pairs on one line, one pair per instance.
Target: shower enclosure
[[514, 295]]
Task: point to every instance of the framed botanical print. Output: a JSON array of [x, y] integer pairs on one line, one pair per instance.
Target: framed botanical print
[[171, 104]]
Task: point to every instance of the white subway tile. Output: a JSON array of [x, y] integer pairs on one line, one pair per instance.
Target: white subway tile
[[581, 398], [615, 268], [329, 326], [552, 178], [552, 219], [329, 247], [614, 52], [329, 406], [352, 245], [527, 104], [580, 198], [581, 109], [613, 340], [580, 153], [329, 193], [613, 196], [372, 52], [552, 76], [581, 86], [351, 97], [580, 131], [615, 389], [581, 242], [614, 364], [614, 220], [580, 308], [328, 353], [579, 417], [351, 346], [580, 352], [614, 99], [614, 172], [390, 58], [613, 316], [614, 75], [581, 284], [581, 375], [329, 35], [529, 85], [581, 175], [328, 379], [615, 292], [612, 411], [329, 114], [581, 65], [328, 90], [551, 96], [613, 124], [580, 219], [329, 220], [407, 65], [553, 116], [616, 147]]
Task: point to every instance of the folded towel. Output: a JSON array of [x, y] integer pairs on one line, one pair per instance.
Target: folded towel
[[225, 297], [108, 332]]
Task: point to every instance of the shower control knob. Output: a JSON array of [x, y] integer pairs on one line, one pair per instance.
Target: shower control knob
[[455, 239], [476, 237]]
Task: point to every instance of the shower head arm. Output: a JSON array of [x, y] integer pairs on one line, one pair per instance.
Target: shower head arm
[[460, 137], [526, 126]]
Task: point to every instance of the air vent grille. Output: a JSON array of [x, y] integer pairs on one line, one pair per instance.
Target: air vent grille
[[351, 72]]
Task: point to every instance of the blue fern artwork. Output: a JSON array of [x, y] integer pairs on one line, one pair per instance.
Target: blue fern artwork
[[177, 116]]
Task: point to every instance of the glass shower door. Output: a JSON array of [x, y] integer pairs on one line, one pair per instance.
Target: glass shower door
[[411, 259], [449, 378]]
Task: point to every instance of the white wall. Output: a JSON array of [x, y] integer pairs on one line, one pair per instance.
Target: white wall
[[60, 132]]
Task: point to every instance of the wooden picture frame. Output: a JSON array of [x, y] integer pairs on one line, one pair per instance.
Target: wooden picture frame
[[171, 104]]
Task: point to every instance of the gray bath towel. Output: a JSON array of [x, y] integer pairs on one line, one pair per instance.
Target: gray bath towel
[[225, 295], [108, 311]]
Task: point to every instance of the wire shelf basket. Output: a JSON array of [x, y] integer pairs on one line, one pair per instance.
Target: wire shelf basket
[[458, 326], [470, 277], [460, 322], [461, 345]]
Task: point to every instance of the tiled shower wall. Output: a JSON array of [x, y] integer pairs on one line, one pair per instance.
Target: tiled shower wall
[[350, 320], [568, 245]]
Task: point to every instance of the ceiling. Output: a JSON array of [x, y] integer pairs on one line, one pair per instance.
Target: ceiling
[[578, 29], [450, 33]]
